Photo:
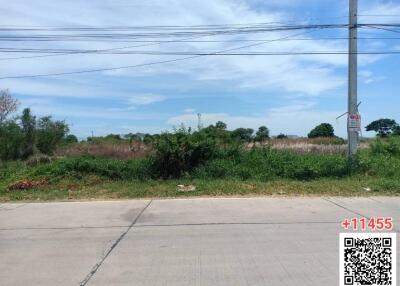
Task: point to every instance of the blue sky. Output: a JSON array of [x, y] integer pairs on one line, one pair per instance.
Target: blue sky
[[289, 94]]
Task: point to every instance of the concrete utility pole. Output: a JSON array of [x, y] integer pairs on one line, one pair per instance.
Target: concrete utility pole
[[352, 104]]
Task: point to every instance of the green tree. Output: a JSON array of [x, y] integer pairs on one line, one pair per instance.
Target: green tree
[[148, 139], [49, 134], [113, 137], [221, 125], [11, 141], [28, 123], [384, 126], [70, 139], [244, 134], [322, 130], [281, 136], [262, 134]]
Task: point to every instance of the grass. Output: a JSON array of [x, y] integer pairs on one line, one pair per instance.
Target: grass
[[93, 188], [233, 172]]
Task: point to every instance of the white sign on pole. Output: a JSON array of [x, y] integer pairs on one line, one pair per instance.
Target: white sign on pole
[[354, 122]]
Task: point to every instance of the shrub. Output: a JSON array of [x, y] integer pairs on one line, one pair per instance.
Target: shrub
[[108, 168], [396, 130], [388, 146], [266, 164], [181, 152]]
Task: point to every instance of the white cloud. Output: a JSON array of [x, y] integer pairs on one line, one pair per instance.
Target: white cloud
[[372, 11], [368, 76], [49, 106], [290, 75], [311, 75], [145, 99]]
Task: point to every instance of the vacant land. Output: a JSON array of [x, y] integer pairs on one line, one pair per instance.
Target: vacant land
[[228, 172]]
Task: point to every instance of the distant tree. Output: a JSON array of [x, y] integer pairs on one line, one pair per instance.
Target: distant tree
[[8, 105], [262, 134], [49, 134], [28, 123], [70, 139], [322, 130], [11, 141], [148, 139], [383, 127], [113, 137], [281, 136], [221, 125], [245, 134]]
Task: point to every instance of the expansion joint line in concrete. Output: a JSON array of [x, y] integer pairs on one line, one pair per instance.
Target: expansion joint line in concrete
[[113, 246], [345, 208]]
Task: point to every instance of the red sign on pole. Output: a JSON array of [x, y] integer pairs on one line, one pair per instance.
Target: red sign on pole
[[354, 122]]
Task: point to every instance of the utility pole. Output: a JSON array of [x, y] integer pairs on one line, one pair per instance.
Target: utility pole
[[352, 103]]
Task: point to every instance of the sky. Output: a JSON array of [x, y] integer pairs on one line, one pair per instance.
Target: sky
[[288, 94]]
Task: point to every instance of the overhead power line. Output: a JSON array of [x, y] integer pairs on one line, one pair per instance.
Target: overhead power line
[[384, 29], [154, 63], [131, 35], [237, 31], [112, 49], [227, 52], [194, 52]]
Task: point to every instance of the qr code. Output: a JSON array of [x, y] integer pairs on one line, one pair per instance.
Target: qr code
[[367, 259]]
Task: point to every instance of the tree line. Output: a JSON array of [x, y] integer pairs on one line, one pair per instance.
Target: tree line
[[25, 135]]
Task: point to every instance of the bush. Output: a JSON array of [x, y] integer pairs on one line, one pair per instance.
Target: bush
[[76, 167], [266, 164], [388, 146], [396, 130], [181, 152]]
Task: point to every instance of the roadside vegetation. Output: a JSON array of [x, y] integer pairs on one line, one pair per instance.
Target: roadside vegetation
[[40, 160]]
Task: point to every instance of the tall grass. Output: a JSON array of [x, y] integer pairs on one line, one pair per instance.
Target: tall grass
[[122, 150], [266, 164], [231, 162]]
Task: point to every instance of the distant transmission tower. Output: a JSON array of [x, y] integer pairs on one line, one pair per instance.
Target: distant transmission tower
[[199, 124]]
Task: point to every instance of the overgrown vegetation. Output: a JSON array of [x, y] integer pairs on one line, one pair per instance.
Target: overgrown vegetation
[[25, 136], [240, 158]]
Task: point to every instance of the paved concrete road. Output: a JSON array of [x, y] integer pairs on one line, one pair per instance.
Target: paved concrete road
[[255, 241]]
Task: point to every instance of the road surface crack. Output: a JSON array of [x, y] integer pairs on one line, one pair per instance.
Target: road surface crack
[[113, 246]]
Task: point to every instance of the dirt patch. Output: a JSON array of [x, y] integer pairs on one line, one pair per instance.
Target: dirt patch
[[27, 185]]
